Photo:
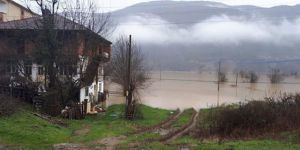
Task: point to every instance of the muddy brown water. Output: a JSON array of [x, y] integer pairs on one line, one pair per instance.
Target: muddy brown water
[[171, 90]]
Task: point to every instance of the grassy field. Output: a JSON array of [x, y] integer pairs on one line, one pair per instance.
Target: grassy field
[[191, 143], [26, 131]]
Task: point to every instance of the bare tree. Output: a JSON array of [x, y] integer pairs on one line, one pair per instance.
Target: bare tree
[[221, 73], [139, 72], [84, 12], [251, 76], [275, 76]]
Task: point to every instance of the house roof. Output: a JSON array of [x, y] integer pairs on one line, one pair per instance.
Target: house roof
[[35, 23]]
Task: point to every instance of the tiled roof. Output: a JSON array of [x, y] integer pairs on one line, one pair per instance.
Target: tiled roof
[[35, 23]]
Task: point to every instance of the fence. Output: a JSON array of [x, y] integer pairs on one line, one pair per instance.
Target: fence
[[76, 111], [18, 92]]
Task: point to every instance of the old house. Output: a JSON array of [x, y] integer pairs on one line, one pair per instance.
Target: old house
[[10, 10], [83, 54]]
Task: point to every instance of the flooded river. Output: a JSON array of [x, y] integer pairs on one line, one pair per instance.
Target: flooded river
[[171, 90]]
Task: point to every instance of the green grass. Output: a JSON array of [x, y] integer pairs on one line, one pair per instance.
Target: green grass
[[249, 145], [232, 145], [28, 131], [184, 118]]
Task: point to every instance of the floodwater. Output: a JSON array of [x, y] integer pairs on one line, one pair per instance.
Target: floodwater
[[171, 90]]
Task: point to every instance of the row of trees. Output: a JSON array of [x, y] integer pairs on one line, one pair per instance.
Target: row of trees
[[275, 76]]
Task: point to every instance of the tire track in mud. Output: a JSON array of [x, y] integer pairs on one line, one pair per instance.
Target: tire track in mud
[[173, 134], [165, 124], [182, 131]]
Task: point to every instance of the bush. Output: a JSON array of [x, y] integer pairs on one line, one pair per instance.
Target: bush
[[253, 77], [252, 118], [52, 104], [222, 77], [8, 105], [276, 76]]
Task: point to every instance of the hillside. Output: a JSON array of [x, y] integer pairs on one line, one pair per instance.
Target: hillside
[[191, 34]]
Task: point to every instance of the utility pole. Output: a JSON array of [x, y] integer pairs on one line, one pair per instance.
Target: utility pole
[[10, 80], [219, 72], [236, 79], [129, 64], [129, 87], [160, 71]]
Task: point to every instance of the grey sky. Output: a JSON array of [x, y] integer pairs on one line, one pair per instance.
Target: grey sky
[[111, 5], [118, 4]]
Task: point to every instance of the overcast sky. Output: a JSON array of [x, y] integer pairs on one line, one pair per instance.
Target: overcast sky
[[118, 4], [111, 5]]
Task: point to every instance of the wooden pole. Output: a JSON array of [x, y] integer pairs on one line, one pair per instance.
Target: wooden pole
[[129, 64], [129, 90], [219, 72], [160, 72], [236, 80]]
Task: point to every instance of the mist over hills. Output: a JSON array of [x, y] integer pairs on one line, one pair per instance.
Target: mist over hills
[[188, 35]]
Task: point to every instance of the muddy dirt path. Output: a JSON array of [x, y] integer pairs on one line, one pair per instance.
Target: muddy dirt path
[[163, 125], [182, 131]]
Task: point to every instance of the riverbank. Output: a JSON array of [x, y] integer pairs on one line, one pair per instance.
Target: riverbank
[[24, 130]]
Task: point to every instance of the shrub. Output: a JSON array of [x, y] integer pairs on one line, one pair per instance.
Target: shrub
[[275, 76], [252, 118], [222, 77], [8, 105], [52, 104], [253, 77]]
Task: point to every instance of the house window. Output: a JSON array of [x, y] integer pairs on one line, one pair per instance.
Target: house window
[[86, 91], [41, 70], [8, 67], [13, 68], [1, 17], [22, 14], [28, 70], [46, 71], [62, 70]]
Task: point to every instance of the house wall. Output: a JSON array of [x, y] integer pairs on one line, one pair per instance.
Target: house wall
[[12, 11], [74, 43], [34, 75], [93, 90]]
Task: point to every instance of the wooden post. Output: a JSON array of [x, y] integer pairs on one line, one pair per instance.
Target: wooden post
[[129, 90], [85, 107], [160, 72], [236, 80], [219, 72]]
